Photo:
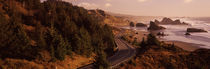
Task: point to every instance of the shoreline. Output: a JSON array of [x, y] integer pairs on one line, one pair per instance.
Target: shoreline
[[185, 45]]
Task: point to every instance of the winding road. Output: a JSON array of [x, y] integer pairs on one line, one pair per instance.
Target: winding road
[[125, 52]]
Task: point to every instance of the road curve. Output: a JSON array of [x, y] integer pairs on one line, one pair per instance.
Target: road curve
[[125, 52]]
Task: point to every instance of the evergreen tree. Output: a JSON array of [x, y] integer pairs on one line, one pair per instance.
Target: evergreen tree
[[152, 40], [68, 48], [108, 39], [58, 45], [39, 31], [101, 61], [76, 44], [15, 42], [83, 43], [134, 41], [86, 42], [68, 29], [30, 4], [60, 28], [143, 43], [173, 45]]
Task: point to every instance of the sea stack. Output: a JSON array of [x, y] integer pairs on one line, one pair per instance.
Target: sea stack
[[132, 24], [155, 26], [168, 21], [195, 30], [141, 25], [156, 21]]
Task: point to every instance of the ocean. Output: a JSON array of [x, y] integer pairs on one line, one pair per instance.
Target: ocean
[[177, 32]]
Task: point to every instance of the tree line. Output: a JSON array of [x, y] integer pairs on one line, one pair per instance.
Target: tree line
[[59, 28]]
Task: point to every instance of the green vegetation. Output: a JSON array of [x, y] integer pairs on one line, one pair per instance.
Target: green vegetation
[[143, 43], [151, 40], [101, 62], [154, 54], [135, 42], [29, 26], [58, 46], [14, 41]]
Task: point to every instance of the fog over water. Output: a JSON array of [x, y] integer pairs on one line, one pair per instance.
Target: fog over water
[[177, 32]]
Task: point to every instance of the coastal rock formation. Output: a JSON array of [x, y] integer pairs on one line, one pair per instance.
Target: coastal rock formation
[[161, 34], [141, 25], [170, 22], [177, 21], [132, 24], [155, 26], [166, 20], [187, 33], [156, 21], [195, 30]]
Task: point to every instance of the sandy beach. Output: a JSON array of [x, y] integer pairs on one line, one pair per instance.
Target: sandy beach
[[184, 45]]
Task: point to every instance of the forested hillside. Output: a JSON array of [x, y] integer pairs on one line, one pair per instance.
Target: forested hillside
[[29, 27], [108, 18]]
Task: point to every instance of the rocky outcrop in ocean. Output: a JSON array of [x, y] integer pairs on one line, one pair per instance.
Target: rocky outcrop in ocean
[[168, 21], [155, 26], [195, 30], [141, 25], [132, 24]]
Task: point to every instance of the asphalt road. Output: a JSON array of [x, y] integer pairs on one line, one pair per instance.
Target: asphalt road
[[124, 53]]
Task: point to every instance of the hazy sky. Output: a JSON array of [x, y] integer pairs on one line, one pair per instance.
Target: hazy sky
[[193, 8]]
